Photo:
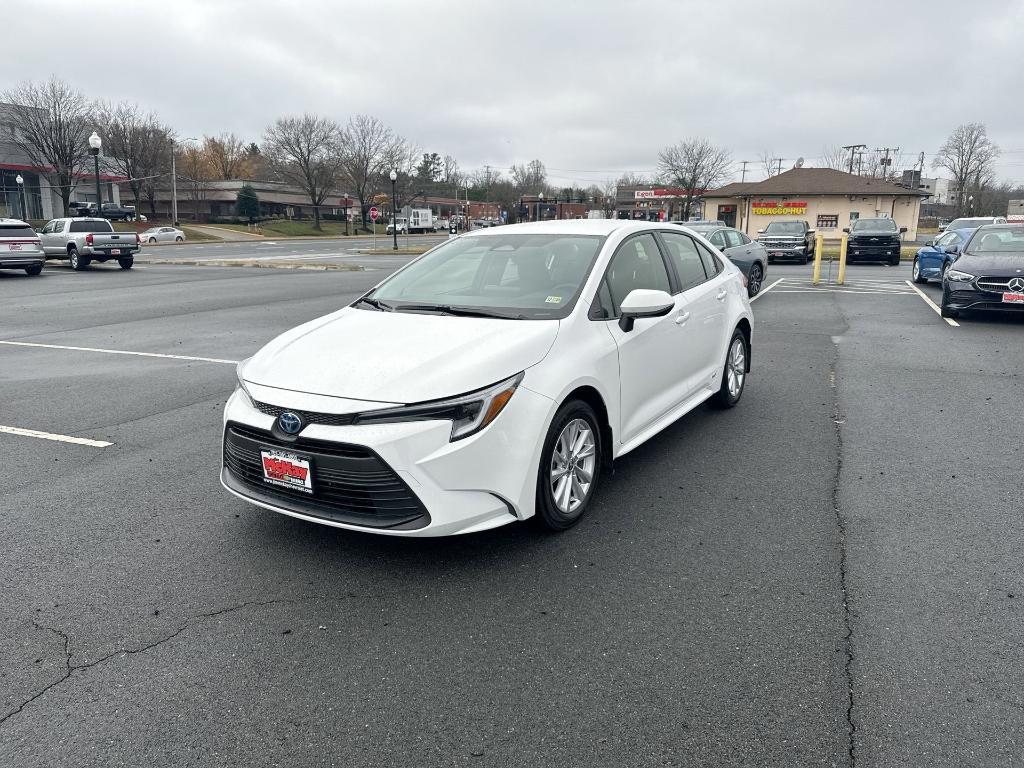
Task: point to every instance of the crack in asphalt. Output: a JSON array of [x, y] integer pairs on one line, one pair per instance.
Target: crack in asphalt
[[190, 622], [848, 657]]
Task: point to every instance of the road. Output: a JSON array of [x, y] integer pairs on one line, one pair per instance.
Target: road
[[828, 574]]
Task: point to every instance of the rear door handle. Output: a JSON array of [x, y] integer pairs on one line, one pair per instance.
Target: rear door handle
[[722, 294], [682, 317]]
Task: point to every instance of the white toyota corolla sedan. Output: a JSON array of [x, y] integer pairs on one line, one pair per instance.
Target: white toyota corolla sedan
[[490, 380]]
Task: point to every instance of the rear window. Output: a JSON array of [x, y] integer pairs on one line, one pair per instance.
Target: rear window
[[19, 231], [91, 226]]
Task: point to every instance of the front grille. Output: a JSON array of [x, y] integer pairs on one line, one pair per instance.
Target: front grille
[[351, 483], [995, 284], [310, 417]]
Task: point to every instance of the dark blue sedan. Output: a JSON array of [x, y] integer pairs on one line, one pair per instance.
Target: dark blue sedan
[[932, 261]]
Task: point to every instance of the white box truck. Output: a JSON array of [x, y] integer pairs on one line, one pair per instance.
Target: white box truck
[[420, 220]]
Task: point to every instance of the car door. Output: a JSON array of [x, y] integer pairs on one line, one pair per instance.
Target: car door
[[933, 256], [50, 238], [703, 295], [736, 250], [654, 355], [166, 235]]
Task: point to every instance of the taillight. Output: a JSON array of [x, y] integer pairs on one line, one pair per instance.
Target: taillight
[[88, 239]]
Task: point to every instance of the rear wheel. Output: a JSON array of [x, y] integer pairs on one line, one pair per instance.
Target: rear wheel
[[918, 278], [152, 239], [35, 269], [570, 466], [754, 280], [734, 378], [78, 262], [179, 239], [126, 263]]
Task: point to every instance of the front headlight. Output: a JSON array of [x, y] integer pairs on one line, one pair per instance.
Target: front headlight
[[468, 413], [241, 383], [958, 277]]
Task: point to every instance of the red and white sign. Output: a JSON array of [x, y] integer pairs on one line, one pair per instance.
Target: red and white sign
[[374, 213], [647, 194], [287, 469]]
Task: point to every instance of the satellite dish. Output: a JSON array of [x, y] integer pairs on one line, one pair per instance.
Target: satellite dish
[[799, 163]]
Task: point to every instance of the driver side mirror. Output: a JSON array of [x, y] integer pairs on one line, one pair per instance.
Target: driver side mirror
[[846, 230], [811, 231], [903, 230], [643, 302], [760, 231], [952, 249]]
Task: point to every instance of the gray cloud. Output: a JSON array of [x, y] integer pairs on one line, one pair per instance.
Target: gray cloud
[[591, 88]]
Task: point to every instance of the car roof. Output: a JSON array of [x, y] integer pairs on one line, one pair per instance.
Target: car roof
[[13, 222], [602, 227]]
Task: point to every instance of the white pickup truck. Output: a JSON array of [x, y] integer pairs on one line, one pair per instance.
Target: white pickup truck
[[83, 241]]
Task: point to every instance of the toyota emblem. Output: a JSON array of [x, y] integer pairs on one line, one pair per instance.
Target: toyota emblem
[[290, 423], [1016, 284]]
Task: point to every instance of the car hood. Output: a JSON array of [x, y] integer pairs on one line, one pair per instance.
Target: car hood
[[996, 264], [399, 357], [887, 233]]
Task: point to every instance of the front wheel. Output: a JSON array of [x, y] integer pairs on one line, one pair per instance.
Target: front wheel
[[894, 261], [754, 280], [918, 278], [734, 377], [569, 467], [126, 263], [179, 239]]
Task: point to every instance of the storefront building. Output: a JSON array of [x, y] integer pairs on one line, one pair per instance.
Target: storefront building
[[651, 202], [827, 199]]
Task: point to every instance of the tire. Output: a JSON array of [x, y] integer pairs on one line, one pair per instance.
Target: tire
[[126, 263], [152, 240], [736, 357], [918, 278], [574, 420], [771, 259], [952, 314], [755, 279], [78, 263], [894, 261], [179, 239], [34, 271], [805, 260]]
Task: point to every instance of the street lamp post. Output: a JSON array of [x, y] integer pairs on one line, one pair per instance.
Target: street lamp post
[[394, 210], [540, 200], [95, 142], [21, 196], [970, 205]]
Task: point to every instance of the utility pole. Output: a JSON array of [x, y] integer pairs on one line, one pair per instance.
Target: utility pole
[[885, 161], [743, 178], [780, 159], [852, 149]]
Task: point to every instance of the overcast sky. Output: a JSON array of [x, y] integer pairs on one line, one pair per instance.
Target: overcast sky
[[591, 88]]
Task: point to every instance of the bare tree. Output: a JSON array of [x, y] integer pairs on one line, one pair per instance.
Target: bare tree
[[969, 155], [228, 154], [451, 176], [196, 172], [136, 145], [630, 179], [834, 157], [529, 178], [772, 165], [50, 122], [371, 151], [694, 166], [306, 151]]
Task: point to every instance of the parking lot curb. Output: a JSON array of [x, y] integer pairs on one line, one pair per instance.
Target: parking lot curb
[[253, 263]]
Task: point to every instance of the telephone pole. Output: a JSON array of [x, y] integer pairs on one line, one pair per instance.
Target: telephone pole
[[743, 178], [885, 162], [852, 148]]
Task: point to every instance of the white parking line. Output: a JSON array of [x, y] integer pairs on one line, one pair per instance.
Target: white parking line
[[765, 290], [932, 304], [57, 438], [121, 352]]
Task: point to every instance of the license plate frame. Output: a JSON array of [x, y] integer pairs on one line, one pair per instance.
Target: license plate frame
[[1013, 298], [286, 469], [115, 251]]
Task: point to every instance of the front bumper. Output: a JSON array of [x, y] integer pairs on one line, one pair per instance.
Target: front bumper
[[872, 252], [412, 481], [785, 250], [966, 296]]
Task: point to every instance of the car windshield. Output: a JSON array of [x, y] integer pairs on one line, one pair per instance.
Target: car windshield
[[993, 240], [874, 225], [534, 277], [968, 223], [784, 228]]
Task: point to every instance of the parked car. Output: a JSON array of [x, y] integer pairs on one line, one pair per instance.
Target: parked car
[[749, 255], [874, 240], [78, 208], [932, 261], [116, 212], [83, 241], [20, 247], [972, 222], [988, 272], [788, 240], [162, 235], [489, 381]]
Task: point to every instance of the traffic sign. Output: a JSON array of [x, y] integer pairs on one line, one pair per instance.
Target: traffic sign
[[374, 213]]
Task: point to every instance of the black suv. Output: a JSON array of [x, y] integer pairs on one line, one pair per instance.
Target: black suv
[[874, 240]]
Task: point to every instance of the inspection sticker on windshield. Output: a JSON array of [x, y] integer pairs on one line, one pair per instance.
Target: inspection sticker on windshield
[[553, 300], [1013, 298], [287, 469]]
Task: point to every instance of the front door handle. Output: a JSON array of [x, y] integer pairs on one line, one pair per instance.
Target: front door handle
[[722, 294], [682, 318]]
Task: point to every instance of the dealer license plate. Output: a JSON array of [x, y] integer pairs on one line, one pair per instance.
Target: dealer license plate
[[115, 251], [1013, 298], [287, 469], [14, 247]]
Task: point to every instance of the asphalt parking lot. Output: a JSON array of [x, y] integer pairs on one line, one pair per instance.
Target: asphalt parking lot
[[828, 574]]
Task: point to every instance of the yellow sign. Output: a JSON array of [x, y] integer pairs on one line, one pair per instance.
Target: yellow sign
[[780, 211]]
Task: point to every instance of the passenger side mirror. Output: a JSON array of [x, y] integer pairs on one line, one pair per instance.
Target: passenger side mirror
[[760, 231], [952, 249], [643, 302], [811, 231], [903, 230], [846, 230]]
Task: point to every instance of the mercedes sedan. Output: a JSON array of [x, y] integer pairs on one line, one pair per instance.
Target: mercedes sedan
[[988, 272], [489, 381]]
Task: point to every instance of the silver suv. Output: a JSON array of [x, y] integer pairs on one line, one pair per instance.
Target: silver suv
[[20, 247]]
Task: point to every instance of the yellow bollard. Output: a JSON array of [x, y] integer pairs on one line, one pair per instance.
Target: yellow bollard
[[842, 259], [819, 246]]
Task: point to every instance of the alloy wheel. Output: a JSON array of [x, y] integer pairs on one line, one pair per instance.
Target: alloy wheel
[[754, 280], [736, 367], [573, 463], [917, 270]]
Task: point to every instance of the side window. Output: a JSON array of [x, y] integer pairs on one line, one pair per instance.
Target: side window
[[48, 228], [637, 264], [718, 240], [732, 238], [744, 240], [711, 263], [686, 258], [947, 239]]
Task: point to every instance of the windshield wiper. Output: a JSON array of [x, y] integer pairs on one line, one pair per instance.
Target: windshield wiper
[[447, 309], [376, 304]]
